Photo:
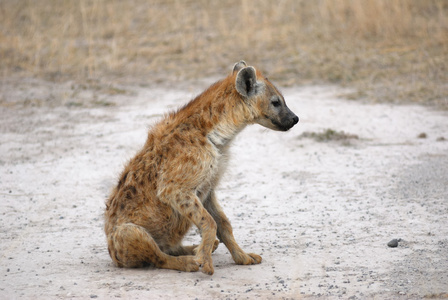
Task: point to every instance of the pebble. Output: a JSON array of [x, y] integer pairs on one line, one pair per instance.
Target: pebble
[[393, 243]]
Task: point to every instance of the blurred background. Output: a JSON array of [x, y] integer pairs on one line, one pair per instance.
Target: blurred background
[[386, 50]]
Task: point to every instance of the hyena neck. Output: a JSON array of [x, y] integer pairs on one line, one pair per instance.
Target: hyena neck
[[221, 134], [229, 117], [220, 112]]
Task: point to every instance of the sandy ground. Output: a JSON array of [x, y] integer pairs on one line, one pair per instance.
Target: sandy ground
[[319, 213]]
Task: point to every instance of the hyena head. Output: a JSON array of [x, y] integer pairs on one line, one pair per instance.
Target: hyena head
[[264, 98]]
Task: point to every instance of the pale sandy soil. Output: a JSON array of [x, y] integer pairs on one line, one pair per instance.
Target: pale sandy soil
[[319, 213]]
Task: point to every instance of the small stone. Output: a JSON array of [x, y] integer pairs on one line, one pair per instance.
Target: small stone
[[393, 243], [422, 135]]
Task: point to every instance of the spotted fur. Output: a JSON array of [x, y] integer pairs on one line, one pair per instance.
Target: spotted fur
[[170, 184]]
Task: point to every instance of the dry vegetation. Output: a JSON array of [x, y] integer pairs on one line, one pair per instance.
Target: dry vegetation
[[329, 135], [387, 50]]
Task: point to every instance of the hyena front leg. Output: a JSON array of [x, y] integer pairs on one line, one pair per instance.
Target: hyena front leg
[[189, 206], [225, 233]]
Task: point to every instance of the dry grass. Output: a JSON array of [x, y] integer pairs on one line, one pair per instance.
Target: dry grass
[[387, 50], [328, 135]]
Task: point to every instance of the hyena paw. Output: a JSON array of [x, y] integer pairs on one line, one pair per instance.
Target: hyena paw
[[247, 259], [256, 259], [207, 268], [189, 264], [205, 264]]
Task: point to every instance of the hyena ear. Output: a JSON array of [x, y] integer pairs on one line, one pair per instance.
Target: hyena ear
[[246, 80], [239, 65]]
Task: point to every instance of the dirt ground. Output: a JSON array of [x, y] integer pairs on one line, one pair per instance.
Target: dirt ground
[[319, 208]]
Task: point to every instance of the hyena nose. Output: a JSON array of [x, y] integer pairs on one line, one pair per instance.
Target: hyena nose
[[295, 120]]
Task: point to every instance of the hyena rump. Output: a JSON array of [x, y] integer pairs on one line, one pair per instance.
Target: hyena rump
[[169, 185]]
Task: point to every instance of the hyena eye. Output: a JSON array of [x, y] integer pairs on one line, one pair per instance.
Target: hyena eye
[[275, 103]]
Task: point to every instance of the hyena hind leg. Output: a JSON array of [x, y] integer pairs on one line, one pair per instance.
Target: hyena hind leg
[[131, 246]]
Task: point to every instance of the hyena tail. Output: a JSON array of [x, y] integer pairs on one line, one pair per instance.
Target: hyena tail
[[131, 246]]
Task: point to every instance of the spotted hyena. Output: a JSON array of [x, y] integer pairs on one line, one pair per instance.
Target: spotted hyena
[[170, 184]]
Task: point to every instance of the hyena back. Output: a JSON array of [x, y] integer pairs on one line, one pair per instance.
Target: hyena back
[[169, 185]]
